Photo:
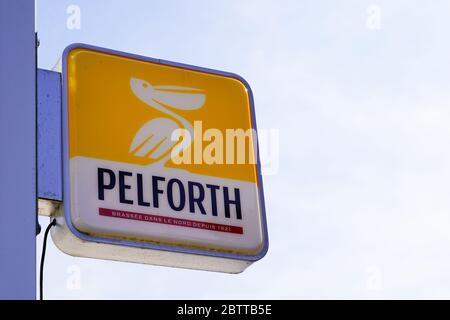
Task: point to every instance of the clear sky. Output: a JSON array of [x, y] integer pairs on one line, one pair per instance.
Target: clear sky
[[360, 204]]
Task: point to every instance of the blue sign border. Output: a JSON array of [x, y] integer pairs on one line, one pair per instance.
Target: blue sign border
[[137, 244]]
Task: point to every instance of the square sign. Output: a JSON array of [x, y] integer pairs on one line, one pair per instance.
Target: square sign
[[160, 156]]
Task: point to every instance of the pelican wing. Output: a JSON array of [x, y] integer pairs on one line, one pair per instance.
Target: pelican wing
[[181, 98], [144, 134], [153, 137]]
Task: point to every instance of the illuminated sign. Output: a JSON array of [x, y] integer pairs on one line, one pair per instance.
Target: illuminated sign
[[162, 157]]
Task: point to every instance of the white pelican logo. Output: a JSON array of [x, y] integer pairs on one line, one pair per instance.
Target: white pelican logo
[[153, 139]]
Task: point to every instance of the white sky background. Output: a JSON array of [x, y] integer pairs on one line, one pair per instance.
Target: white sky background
[[360, 207]]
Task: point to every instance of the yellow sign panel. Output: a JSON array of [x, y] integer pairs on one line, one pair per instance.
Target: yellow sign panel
[[105, 112], [161, 154]]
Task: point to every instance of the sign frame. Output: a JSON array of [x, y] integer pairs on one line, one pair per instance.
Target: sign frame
[[141, 244]]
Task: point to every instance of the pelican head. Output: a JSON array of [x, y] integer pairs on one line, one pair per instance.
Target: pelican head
[[181, 98], [142, 89]]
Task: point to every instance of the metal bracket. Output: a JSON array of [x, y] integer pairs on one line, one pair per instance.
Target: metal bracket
[[49, 142], [49, 136]]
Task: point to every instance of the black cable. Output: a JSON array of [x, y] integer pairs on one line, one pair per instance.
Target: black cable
[[44, 247]]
